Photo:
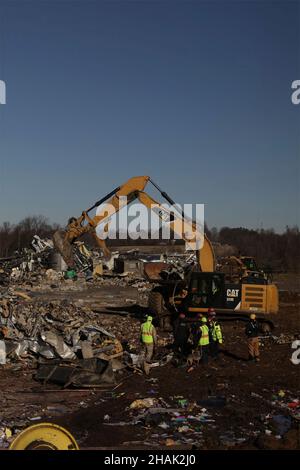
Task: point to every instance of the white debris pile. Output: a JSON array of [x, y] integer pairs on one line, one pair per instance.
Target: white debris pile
[[58, 329]]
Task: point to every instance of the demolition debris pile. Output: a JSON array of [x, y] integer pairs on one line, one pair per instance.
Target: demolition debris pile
[[58, 331], [34, 330], [27, 263], [43, 263]]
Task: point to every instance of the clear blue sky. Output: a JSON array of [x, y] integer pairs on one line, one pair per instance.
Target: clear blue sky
[[195, 94]]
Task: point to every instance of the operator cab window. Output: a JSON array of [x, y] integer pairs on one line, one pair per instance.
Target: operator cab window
[[206, 291]]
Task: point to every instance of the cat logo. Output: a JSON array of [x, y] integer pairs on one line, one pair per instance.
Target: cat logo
[[233, 292]]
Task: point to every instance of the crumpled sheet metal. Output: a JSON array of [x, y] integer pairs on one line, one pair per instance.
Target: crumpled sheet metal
[[73, 321], [57, 342], [86, 373], [96, 329], [50, 329], [20, 349]]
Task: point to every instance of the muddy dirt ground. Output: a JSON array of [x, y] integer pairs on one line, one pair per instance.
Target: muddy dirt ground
[[230, 403]]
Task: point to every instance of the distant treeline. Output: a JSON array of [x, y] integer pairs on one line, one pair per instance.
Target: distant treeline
[[280, 252], [15, 237]]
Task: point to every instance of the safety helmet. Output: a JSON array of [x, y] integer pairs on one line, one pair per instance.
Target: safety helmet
[[149, 318], [252, 316], [203, 319], [211, 312]]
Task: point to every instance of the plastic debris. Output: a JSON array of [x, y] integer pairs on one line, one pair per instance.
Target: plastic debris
[[184, 429], [294, 404], [170, 442], [144, 403], [182, 402], [282, 423], [164, 425]]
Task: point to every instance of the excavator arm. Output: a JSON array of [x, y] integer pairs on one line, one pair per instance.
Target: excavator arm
[[132, 190], [182, 226]]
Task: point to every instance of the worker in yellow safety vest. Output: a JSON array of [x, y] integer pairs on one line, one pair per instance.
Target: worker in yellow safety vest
[[215, 333], [148, 338], [204, 340]]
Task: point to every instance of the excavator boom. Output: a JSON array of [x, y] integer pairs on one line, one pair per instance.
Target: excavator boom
[[132, 190]]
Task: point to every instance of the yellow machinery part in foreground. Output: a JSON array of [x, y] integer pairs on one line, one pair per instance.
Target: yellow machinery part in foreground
[[44, 436]]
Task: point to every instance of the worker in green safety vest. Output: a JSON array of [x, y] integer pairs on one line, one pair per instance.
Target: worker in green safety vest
[[148, 338], [215, 333], [204, 340]]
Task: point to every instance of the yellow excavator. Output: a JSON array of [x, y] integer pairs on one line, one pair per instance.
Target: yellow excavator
[[201, 286], [133, 190]]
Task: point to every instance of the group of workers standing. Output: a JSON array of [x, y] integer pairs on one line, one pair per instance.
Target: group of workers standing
[[204, 337]]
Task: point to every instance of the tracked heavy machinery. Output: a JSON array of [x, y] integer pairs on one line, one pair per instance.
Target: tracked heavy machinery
[[237, 267], [198, 286]]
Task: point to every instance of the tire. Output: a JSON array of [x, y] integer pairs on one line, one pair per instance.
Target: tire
[[157, 307]]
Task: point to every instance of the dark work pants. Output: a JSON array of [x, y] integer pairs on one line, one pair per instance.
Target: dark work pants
[[214, 348], [181, 347], [204, 356]]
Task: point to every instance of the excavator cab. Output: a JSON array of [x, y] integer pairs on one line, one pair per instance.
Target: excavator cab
[[211, 290], [205, 290]]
